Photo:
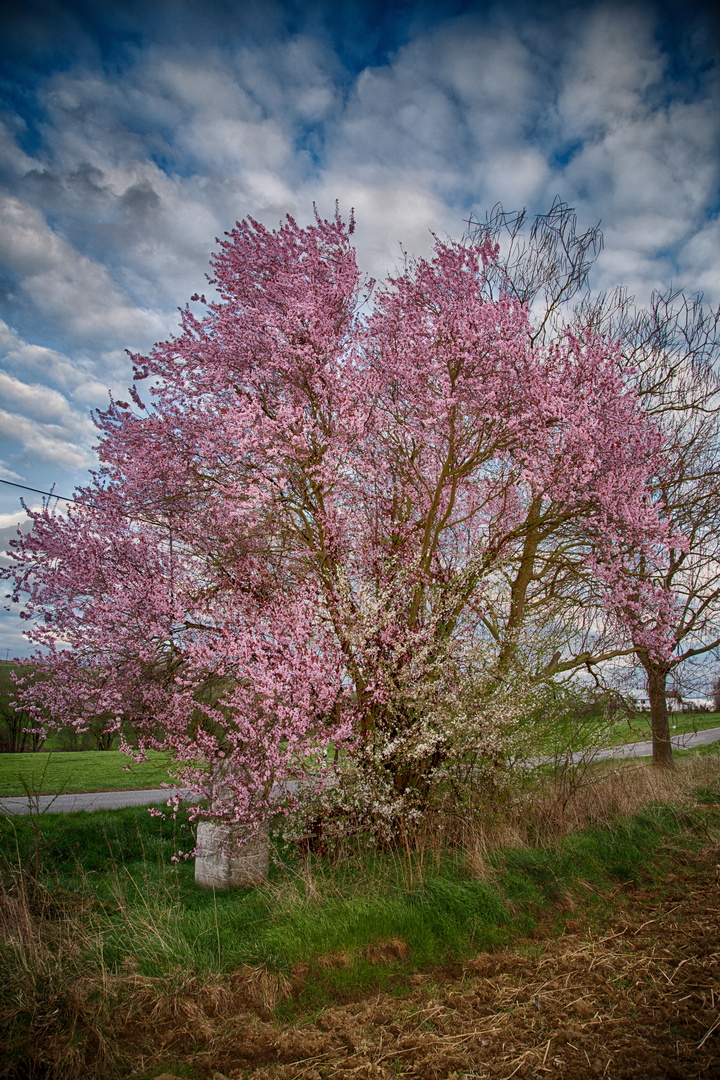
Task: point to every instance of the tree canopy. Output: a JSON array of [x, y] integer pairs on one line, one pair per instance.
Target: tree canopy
[[320, 518]]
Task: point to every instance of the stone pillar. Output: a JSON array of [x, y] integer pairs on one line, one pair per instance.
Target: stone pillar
[[223, 860]]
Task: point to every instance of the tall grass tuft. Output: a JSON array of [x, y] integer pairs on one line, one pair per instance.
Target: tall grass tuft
[[56, 1001]]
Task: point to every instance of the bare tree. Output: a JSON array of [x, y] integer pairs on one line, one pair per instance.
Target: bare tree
[[675, 347], [544, 264], [671, 349], [547, 595]]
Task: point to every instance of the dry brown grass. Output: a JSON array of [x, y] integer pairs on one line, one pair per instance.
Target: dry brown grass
[[638, 996], [602, 793], [575, 801], [52, 998], [65, 1015]]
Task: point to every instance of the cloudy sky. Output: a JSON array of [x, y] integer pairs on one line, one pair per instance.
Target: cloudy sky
[[133, 134]]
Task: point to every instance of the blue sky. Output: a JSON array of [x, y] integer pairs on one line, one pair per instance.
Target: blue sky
[[132, 134]]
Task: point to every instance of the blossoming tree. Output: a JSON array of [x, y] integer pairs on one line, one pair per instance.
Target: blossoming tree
[[307, 520], [674, 347]]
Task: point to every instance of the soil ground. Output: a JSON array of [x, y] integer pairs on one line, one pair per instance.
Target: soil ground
[[628, 988]]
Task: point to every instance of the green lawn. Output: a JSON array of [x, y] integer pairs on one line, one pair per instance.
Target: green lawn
[[638, 729], [111, 770], [144, 906], [88, 770]]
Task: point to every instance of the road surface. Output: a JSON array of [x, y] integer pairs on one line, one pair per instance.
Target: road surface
[[89, 800], [687, 741], [115, 800]]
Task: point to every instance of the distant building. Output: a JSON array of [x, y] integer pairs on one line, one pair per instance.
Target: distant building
[[676, 703]]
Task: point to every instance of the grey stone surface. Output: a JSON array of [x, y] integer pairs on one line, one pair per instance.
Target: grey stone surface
[[224, 860]]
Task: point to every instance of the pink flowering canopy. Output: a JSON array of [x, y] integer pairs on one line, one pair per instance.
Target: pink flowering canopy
[[318, 503]]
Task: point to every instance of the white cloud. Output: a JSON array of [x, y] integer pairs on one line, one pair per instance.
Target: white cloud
[[71, 288], [441, 110], [699, 262], [13, 521], [47, 442], [141, 165], [644, 159], [12, 642], [47, 400], [9, 526], [392, 217], [611, 60], [7, 473], [15, 160], [43, 404], [55, 367], [152, 162]]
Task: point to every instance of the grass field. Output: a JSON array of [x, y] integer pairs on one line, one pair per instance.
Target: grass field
[[88, 770], [638, 728], [112, 956], [111, 770]]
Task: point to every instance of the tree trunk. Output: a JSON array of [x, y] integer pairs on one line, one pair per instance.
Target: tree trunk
[[659, 720], [521, 583]]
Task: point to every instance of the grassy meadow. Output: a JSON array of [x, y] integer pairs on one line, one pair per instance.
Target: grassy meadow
[[50, 773], [53, 772], [637, 728], [113, 964], [103, 927]]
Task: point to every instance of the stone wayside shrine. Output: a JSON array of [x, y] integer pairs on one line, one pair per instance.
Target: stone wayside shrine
[[230, 856], [224, 860]]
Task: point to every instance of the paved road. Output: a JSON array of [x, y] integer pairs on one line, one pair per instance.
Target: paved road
[[90, 800], [115, 800], [680, 742]]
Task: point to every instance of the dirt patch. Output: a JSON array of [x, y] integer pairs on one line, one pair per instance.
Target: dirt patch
[[638, 998]]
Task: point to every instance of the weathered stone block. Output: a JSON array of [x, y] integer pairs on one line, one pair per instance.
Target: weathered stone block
[[225, 859]]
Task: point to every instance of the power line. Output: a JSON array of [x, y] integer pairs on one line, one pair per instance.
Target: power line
[[50, 494]]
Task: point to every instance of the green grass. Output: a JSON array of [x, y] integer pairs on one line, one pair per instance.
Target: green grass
[[105, 918], [87, 770], [638, 728], [111, 770], [151, 914], [697, 751], [6, 683]]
